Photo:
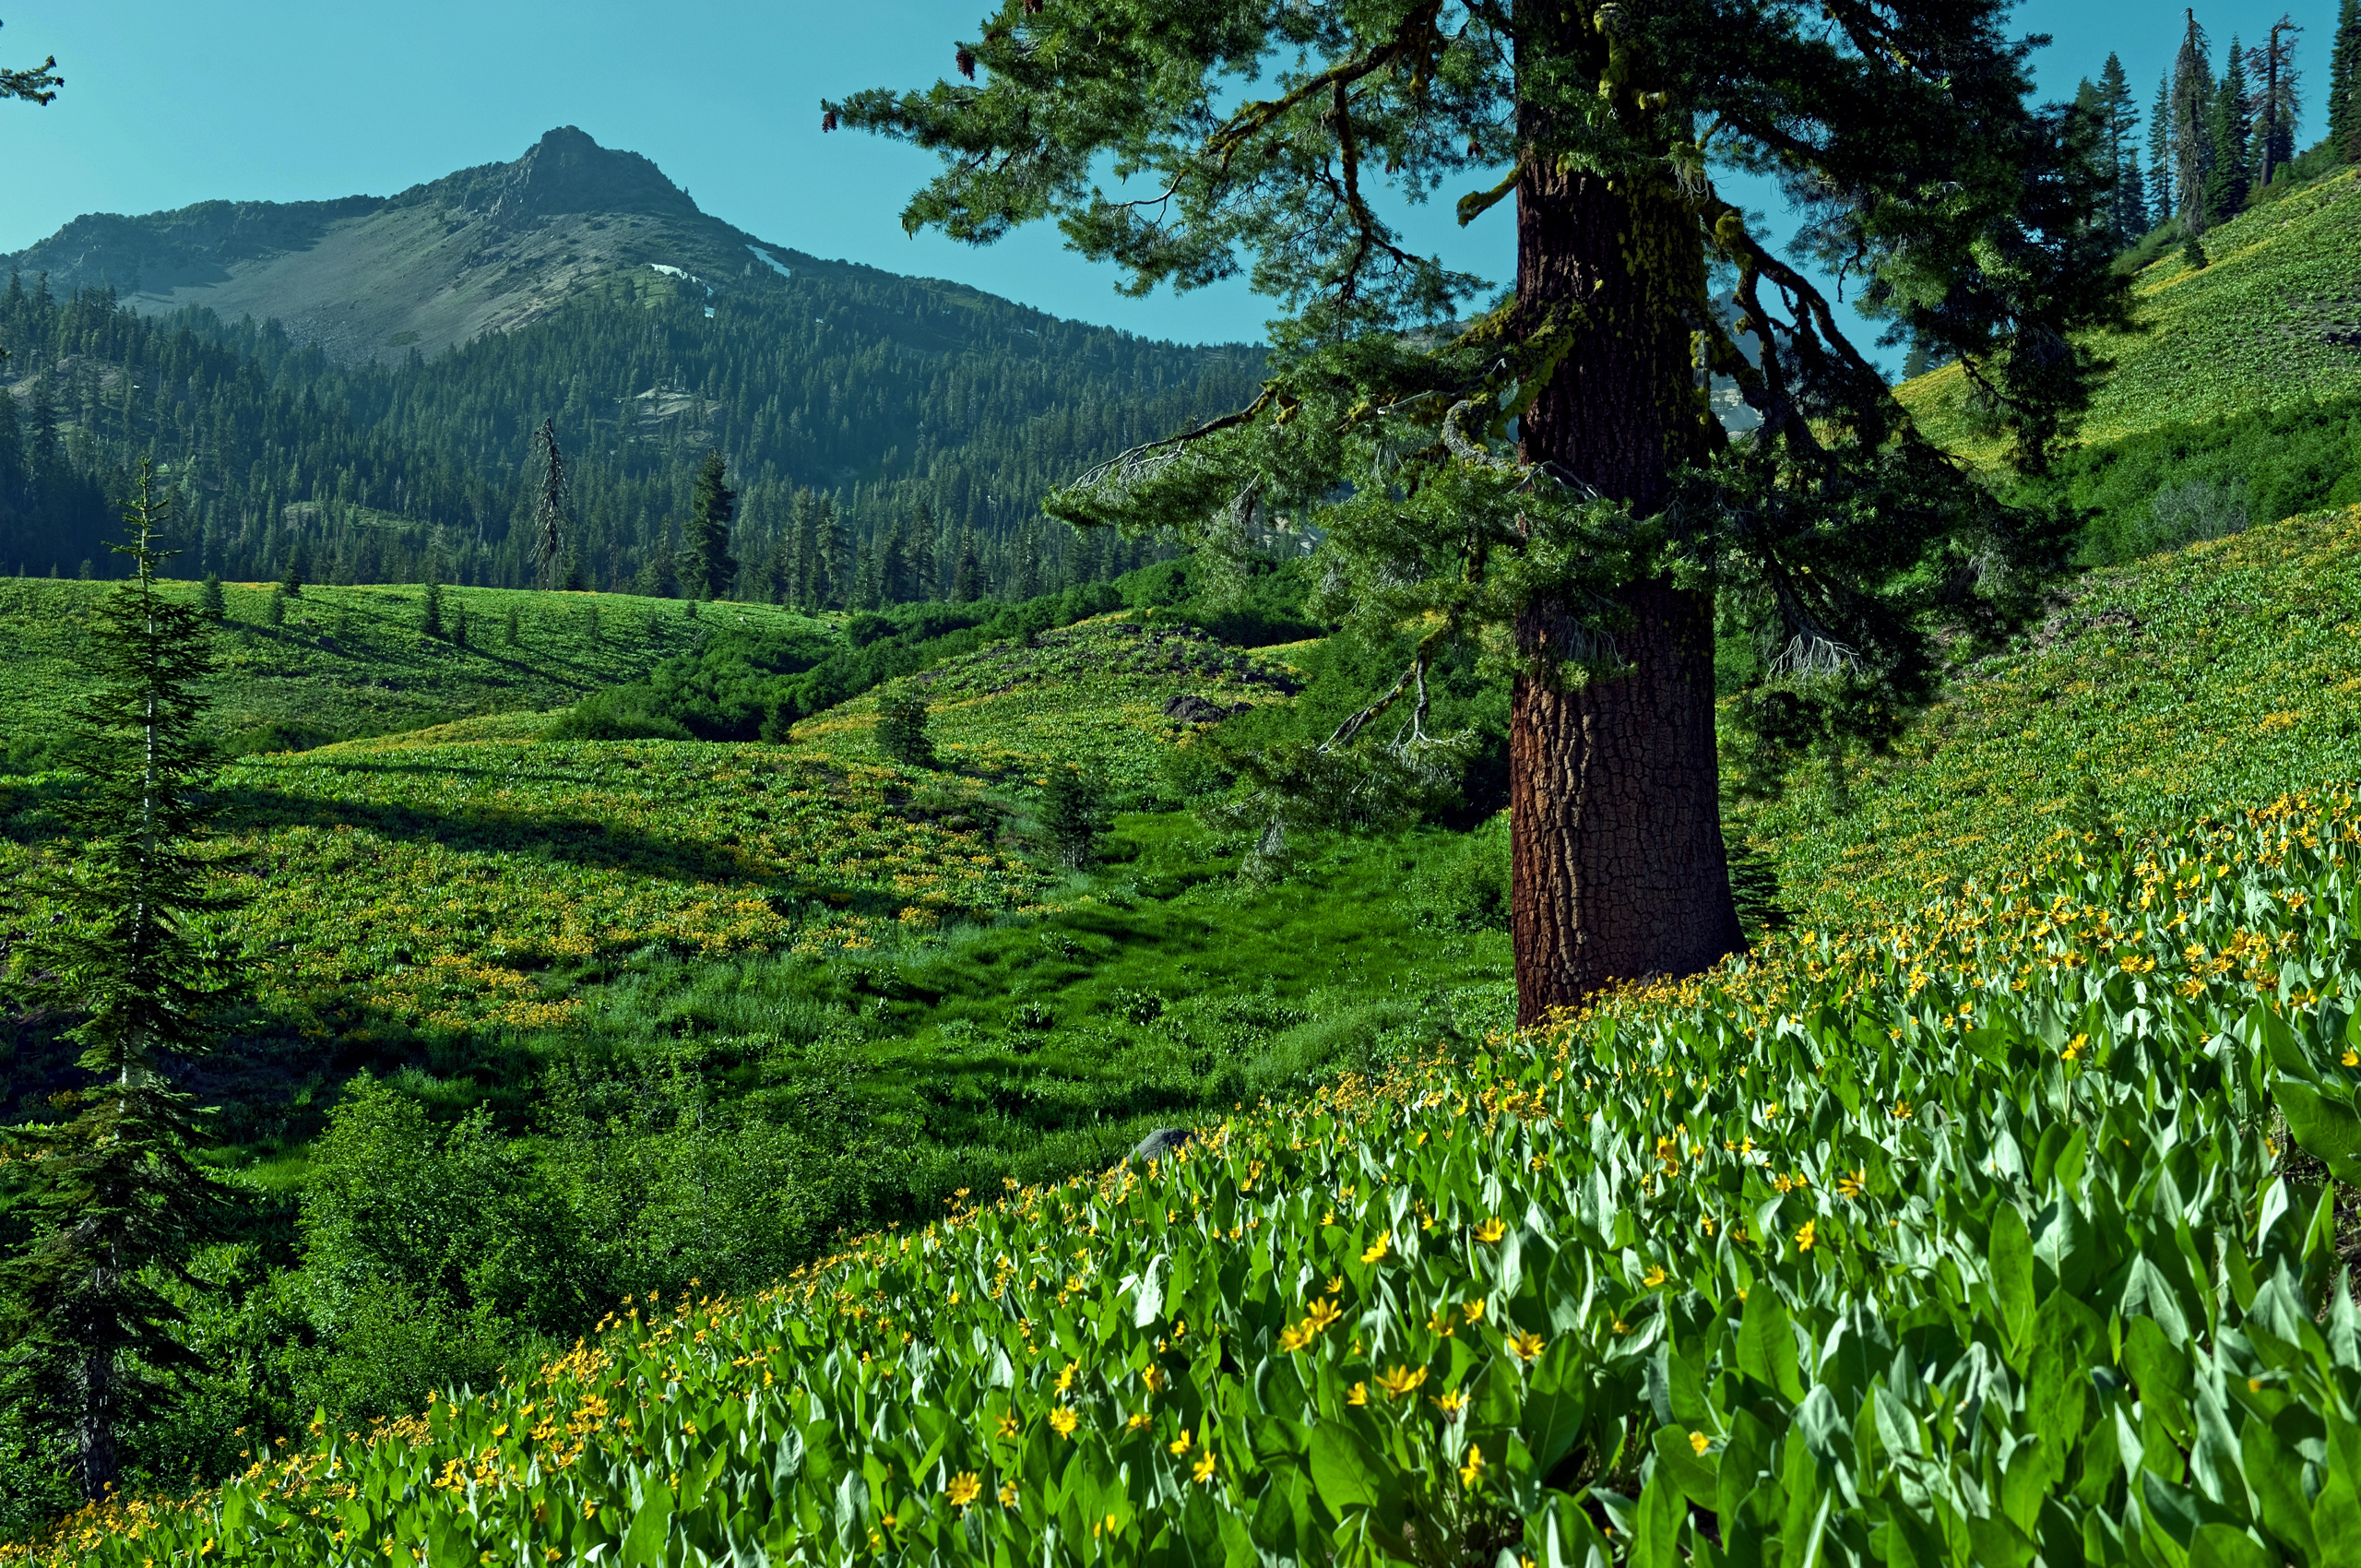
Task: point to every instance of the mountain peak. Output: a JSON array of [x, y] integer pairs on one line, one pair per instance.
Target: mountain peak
[[565, 172]]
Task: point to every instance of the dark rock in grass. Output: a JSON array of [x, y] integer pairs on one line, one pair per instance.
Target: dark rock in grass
[[1162, 1144], [1190, 708]]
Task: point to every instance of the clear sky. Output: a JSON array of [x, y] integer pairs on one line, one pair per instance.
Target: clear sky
[[168, 103]]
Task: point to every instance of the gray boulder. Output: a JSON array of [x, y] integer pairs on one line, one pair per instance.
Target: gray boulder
[[1162, 1144]]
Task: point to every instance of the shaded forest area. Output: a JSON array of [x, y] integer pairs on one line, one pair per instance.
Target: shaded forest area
[[926, 417]]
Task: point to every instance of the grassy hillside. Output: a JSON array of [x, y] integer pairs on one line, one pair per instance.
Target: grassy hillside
[[2230, 670], [1967, 1242], [2271, 323], [352, 661], [1883, 1236]]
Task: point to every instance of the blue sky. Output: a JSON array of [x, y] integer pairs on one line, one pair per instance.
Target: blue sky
[[168, 103]]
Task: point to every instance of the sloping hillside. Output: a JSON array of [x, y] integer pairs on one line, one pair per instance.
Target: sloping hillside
[[1966, 1244], [2230, 670], [2273, 321]]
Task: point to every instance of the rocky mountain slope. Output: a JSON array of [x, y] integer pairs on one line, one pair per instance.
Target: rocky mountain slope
[[486, 249]]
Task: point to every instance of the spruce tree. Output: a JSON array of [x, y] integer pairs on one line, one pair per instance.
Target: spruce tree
[[429, 611], [1544, 480], [115, 1201], [2120, 116], [901, 724], [831, 556], [2190, 129], [211, 603], [2344, 83], [707, 569], [2227, 173], [551, 501]]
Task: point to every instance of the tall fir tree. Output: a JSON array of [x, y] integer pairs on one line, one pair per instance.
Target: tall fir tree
[[2344, 83], [116, 1200], [2119, 115], [919, 554], [2190, 129], [967, 573], [550, 549], [707, 569], [2228, 176], [2277, 103], [2161, 208], [1544, 480], [831, 555]]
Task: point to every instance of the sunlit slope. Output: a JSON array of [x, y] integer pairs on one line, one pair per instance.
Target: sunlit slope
[[2274, 320], [460, 879], [2228, 671], [1111, 693], [349, 661], [1952, 1244]]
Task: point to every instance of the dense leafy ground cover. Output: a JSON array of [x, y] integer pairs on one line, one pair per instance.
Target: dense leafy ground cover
[[1968, 1240], [2228, 671], [352, 661], [2269, 324]]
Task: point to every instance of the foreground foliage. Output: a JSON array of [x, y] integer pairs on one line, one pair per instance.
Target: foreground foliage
[[1968, 1240]]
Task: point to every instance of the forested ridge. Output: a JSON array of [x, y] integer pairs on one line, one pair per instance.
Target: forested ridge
[[918, 408]]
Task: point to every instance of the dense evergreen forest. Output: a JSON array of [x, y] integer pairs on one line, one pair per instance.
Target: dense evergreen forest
[[894, 446]]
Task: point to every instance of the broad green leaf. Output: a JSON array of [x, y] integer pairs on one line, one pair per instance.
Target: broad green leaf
[[2011, 1266]]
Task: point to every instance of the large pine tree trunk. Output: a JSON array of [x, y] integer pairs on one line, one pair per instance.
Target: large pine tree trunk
[[1618, 872]]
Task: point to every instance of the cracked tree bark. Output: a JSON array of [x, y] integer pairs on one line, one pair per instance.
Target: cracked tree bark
[[1618, 867]]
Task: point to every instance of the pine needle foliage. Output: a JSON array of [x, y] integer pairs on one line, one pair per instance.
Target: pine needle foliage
[[901, 725], [117, 1202], [706, 567], [551, 502]]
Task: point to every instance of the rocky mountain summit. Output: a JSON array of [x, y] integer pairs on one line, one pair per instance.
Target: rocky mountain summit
[[486, 249]]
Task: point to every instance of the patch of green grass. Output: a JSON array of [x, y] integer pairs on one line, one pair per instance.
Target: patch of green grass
[[2229, 671], [352, 661], [1156, 990]]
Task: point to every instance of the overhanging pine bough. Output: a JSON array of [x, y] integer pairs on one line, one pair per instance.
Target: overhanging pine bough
[[1550, 480]]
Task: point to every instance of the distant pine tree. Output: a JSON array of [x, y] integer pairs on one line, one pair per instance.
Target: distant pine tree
[[2344, 83], [918, 554], [831, 554], [706, 567], [1074, 815], [968, 577], [114, 1203], [429, 612], [550, 544], [2119, 118], [2190, 129], [291, 583], [901, 725], [2229, 130], [211, 603], [274, 609], [515, 635]]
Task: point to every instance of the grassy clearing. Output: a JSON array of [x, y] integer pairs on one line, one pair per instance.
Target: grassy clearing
[[1968, 1241], [352, 661], [2267, 324], [2227, 670]]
